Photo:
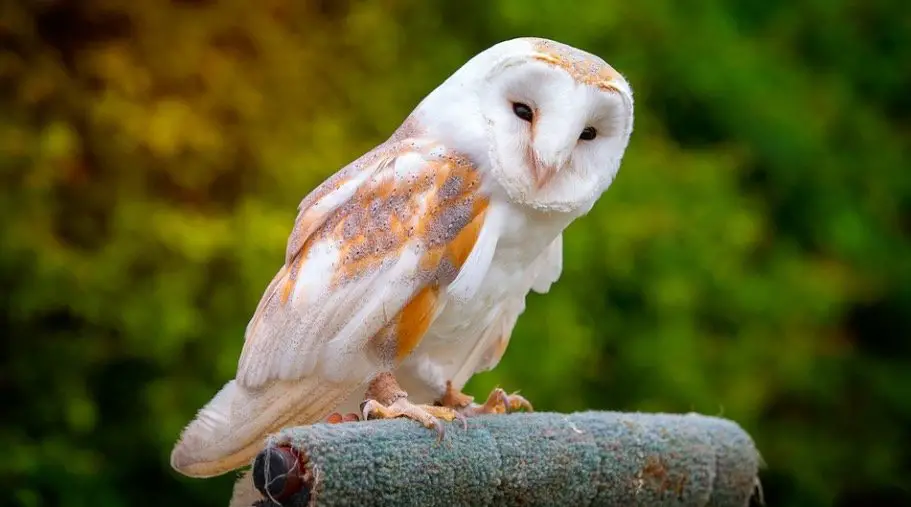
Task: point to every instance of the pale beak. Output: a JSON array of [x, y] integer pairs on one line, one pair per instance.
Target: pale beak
[[546, 170], [543, 174]]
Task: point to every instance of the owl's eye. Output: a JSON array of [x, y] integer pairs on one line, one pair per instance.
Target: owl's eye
[[523, 111], [588, 133]]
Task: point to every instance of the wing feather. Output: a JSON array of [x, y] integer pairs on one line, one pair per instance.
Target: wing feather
[[549, 266], [489, 349], [364, 245], [371, 251], [469, 279]]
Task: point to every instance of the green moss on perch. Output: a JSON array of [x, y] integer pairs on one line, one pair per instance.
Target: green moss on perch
[[585, 458]]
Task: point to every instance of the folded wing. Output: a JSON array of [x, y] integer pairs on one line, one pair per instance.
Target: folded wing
[[368, 262], [489, 348]]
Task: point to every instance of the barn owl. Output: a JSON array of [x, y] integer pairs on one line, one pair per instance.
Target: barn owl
[[405, 271]]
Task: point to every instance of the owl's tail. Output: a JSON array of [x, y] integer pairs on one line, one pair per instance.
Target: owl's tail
[[229, 430]]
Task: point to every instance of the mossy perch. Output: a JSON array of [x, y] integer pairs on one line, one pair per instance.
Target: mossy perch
[[585, 458]]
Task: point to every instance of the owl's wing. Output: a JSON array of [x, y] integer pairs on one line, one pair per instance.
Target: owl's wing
[[489, 349], [366, 262], [548, 267], [371, 251]]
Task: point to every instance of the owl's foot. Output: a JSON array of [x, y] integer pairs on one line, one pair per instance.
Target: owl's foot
[[498, 402], [386, 400], [428, 415]]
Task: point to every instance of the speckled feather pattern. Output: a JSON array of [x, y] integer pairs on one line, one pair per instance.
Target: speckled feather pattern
[[411, 197], [387, 213], [303, 226], [584, 67]]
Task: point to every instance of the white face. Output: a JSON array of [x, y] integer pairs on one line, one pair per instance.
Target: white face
[[556, 120]]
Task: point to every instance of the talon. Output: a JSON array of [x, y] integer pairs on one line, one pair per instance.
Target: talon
[[351, 417], [368, 407], [464, 420], [497, 402], [502, 407], [515, 402], [384, 387], [429, 416], [441, 431]]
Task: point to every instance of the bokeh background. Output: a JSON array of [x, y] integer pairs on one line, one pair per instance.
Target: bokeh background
[[752, 260]]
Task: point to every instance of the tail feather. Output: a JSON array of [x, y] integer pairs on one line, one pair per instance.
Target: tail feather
[[229, 430]]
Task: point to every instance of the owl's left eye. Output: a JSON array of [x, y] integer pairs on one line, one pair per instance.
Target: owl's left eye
[[588, 133], [523, 111]]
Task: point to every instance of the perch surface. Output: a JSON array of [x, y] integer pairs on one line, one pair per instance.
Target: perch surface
[[584, 458]]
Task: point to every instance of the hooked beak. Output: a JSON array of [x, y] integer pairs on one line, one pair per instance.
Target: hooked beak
[[545, 170]]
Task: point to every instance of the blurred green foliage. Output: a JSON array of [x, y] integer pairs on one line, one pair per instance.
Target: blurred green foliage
[[752, 260]]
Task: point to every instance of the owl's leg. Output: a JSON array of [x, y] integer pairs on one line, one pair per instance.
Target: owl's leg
[[498, 402], [385, 399]]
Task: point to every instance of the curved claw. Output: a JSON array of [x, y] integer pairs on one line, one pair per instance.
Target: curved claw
[[515, 402], [369, 406], [438, 427], [461, 418], [503, 399], [429, 416], [498, 402]]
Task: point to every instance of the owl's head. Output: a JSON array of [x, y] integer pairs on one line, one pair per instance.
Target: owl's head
[[550, 122]]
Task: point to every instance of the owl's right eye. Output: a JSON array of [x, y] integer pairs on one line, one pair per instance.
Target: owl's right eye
[[523, 111]]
